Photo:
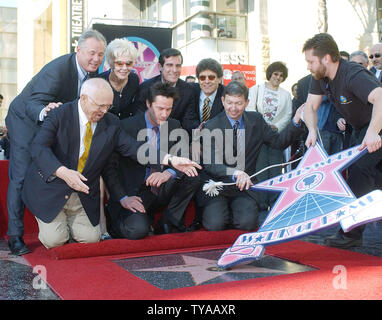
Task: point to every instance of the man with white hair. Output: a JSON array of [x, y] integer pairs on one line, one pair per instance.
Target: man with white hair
[[69, 160], [58, 82], [359, 57]]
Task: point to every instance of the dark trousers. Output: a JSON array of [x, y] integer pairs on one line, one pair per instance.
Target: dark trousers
[[20, 134], [231, 209], [267, 157], [174, 196], [364, 175]]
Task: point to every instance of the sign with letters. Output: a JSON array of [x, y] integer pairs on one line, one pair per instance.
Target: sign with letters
[[312, 197], [76, 22]]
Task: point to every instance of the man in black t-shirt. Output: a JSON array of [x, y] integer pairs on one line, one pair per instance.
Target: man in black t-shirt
[[357, 95]]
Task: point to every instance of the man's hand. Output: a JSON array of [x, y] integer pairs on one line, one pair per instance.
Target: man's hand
[[242, 180], [311, 138], [133, 204], [183, 164], [298, 114], [341, 124], [73, 179], [156, 179], [371, 141], [51, 106]]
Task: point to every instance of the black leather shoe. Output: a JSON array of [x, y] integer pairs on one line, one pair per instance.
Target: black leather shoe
[[17, 246], [343, 242], [195, 226]]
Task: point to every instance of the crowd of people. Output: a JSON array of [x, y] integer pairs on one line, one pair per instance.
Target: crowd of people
[[77, 136]]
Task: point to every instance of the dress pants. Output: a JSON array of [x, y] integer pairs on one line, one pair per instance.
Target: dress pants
[[267, 157], [72, 221], [21, 133], [174, 195], [232, 208]]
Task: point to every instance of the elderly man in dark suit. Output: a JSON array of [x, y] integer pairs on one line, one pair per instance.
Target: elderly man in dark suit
[[234, 154], [171, 61], [57, 82], [62, 184], [136, 192]]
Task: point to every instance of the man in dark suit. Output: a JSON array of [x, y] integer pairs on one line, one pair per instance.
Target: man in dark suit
[[234, 154], [62, 184], [58, 82], [136, 192], [376, 59], [183, 109], [208, 94]]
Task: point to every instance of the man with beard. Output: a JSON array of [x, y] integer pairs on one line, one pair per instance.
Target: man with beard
[[357, 95]]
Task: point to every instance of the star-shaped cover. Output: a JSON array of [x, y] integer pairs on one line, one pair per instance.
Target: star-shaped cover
[[309, 192]]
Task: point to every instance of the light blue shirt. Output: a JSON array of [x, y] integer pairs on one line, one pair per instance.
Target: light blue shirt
[[232, 122]]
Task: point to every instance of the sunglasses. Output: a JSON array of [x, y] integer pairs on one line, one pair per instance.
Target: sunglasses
[[122, 63], [211, 77], [377, 55]]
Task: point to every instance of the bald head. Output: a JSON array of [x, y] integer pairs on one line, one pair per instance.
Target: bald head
[[96, 98], [94, 85], [376, 56]]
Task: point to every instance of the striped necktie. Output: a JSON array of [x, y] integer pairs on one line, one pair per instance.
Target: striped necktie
[[206, 111], [155, 167], [87, 142]]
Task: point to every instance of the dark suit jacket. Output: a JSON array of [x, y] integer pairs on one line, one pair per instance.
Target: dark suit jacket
[[125, 176], [374, 70], [303, 86], [57, 81], [183, 108], [257, 132], [217, 106], [57, 143]]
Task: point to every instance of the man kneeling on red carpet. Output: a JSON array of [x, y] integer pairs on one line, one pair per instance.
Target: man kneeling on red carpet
[[69, 154], [136, 191]]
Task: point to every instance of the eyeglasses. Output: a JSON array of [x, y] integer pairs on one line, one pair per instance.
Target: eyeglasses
[[211, 77], [104, 107], [120, 64], [377, 55]]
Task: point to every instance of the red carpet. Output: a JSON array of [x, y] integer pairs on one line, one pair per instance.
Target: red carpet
[[30, 222], [86, 271], [100, 278]]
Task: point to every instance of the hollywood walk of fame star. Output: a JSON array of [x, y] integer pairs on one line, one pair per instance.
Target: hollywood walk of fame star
[[203, 270], [317, 173]]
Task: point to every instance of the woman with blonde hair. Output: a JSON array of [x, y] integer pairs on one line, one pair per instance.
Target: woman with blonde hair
[[121, 55]]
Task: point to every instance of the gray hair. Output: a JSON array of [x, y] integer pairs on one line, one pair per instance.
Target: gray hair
[[90, 33], [120, 47], [359, 53]]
